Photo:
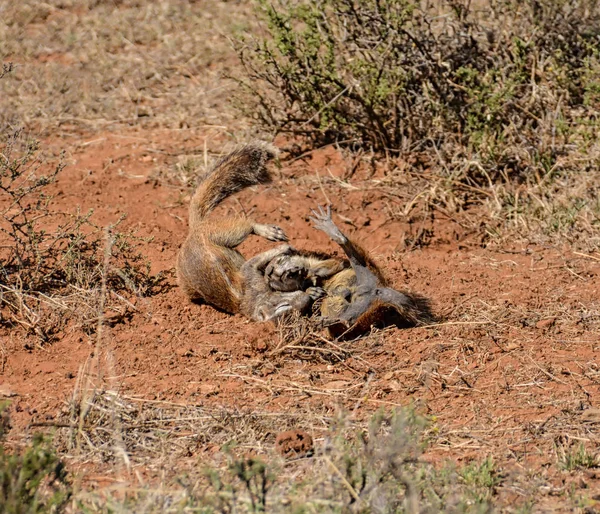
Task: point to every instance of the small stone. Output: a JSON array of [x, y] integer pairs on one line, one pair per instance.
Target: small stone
[[6, 391], [340, 385], [208, 389], [260, 346], [294, 443], [545, 323]]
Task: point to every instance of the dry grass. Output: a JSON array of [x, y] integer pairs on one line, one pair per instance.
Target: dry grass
[[198, 454], [180, 457], [101, 65], [299, 337], [58, 266]]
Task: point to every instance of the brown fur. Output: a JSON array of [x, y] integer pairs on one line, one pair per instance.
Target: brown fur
[[208, 265], [352, 304], [210, 269]]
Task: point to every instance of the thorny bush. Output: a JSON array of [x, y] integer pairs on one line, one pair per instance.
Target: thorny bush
[[55, 263]]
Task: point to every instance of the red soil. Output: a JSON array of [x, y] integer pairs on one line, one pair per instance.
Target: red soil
[[514, 356]]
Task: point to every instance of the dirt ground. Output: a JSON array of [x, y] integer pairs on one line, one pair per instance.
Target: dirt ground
[[509, 371]]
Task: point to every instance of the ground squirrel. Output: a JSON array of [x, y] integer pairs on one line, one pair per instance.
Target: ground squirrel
[[357, 297], [265, 287], [211, 270]]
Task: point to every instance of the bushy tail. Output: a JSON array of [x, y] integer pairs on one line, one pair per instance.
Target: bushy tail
[[235, 171]]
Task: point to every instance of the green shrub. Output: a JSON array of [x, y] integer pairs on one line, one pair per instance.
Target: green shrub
[[573, 459], [394, 75], [32, 481], [494, 102], [481, 480]]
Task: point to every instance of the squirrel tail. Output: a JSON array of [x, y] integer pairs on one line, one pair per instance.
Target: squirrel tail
[[235, 171]]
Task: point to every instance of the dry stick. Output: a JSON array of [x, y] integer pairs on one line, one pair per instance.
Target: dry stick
[[339, 355], [344, 183], [77, 387], [299, 347], [358, 358], [334, 99], [460, 323], [306, 390], [54, 424], [322, 188], [119, 444], [549, 375], [306, 154], [340, 358], [588, 256], [347, 484], [573, 273], [363, 396], [100, 327]]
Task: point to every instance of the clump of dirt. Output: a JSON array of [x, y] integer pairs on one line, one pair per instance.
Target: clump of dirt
[[294, 443]]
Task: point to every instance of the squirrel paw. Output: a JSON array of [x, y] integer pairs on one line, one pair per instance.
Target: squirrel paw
[[322, 221], [284, 249], [270, 232], [316, 292]]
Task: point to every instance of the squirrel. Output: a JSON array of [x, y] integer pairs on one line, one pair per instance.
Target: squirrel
[[211, 270], [357, 297]]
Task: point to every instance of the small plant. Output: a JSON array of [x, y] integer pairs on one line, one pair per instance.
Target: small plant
[[6, 68], [380, 470], [571, 460], [481, 480], [253, 474], [32, 481]]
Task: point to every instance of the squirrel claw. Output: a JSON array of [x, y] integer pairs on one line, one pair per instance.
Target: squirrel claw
[[316, 292], [270, 232], [322, 221]]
